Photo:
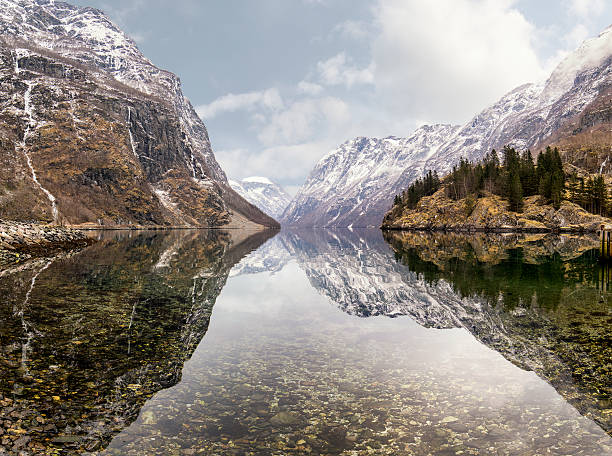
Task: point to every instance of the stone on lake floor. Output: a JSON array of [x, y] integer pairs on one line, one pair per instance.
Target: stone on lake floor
[[285, 419]]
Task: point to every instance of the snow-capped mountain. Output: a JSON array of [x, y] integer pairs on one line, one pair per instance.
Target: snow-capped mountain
[[352, 184], [264, 194], [88, 36], [80, 95], [527, 117]]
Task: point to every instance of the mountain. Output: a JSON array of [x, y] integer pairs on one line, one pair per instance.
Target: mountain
[[353, 183], [264, 194], [572, 109], [92, 132]]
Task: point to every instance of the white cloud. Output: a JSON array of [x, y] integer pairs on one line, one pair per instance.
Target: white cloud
[[309, 88], [355, 30], [284, 163], [339, 70], [586, 8], [576, 36], [291, 141], [448, 59], [269, 99], [302, 119]]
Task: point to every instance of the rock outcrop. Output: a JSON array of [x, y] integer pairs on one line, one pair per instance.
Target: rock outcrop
[[20, 241], [438, 212]]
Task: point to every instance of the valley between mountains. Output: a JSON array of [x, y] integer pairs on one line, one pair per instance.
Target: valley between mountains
[[439, 291], [93, 134]]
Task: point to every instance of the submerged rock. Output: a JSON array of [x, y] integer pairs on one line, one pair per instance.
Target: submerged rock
[[285, 419]]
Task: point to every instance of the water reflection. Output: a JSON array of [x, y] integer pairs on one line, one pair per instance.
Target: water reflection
[[120, 341], [86, 337], [543, 303], [280, 371]]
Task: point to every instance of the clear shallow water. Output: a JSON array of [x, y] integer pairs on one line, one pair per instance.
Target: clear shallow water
[[292, 349]]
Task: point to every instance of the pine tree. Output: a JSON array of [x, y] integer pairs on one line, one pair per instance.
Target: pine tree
[[528, 174], [556, 190], [574, 188], [515, 193]]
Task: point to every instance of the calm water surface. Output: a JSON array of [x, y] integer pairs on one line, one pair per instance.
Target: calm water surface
[[314, 342]]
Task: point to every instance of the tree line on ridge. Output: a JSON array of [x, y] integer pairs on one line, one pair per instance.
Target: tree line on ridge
[[515, 176]]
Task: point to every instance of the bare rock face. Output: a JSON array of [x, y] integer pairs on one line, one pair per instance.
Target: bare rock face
[[440, 213], [354, 185], [92, 132]]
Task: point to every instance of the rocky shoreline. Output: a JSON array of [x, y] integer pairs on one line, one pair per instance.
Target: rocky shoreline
[[490, 214], [20, 241]]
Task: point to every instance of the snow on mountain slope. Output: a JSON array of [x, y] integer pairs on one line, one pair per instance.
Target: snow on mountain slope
[[263, 193], [357, 181], [334, 193]]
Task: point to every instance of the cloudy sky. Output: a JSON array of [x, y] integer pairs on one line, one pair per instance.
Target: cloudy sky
[[279, 83]]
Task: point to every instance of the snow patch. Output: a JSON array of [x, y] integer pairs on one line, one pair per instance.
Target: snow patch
[[263, 193]]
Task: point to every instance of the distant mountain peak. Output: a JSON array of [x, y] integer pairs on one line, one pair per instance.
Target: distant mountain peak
[[263, 193]]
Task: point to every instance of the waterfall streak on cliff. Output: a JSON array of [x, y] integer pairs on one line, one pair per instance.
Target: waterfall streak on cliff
[[27, 107], [134, 150]]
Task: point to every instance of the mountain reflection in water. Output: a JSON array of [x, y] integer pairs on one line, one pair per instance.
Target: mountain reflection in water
[[86, 337], [120, 343], [280, 371], [541, 301]]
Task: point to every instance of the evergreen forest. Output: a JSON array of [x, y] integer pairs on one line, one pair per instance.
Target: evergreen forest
[[513, 176]]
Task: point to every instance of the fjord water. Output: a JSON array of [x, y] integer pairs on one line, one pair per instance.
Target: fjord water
[[311, 342]]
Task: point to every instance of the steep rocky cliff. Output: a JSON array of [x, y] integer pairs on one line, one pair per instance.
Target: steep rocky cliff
[[92, 132]]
